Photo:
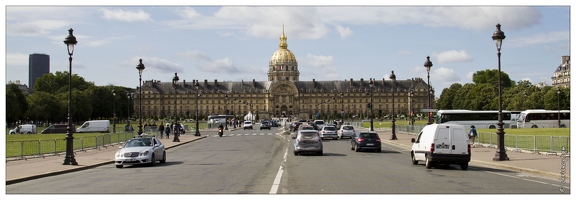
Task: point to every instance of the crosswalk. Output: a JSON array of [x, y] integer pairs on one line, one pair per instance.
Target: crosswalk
[[246, 134]]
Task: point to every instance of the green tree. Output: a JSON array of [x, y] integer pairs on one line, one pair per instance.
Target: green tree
[[46, 107], [447, 97], [460, 98], [58, 83], [480, 96], [490, 76], [16, 104]]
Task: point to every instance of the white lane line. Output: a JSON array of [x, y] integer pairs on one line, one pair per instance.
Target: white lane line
[[276, 183], [253, 133], [535, 181], [246, 134], [269, 133], [261, 133]]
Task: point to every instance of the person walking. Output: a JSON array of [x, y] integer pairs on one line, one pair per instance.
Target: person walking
[[161, 130], [473, 134], [167, 131], [176, 129]]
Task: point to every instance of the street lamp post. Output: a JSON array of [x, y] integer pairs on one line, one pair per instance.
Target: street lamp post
[[393, 78], [428, 65], [369, 107], [558, 92], [70, 42], [176, 125], [140, 68], [234, 112], [197, 86], [342, 104], [412, 108], [498, 37], [226, 111], [114, 110], [130, 98]]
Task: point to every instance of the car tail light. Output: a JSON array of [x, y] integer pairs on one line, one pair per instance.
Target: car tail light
[[432, 148], [378, 139], [360, 139]]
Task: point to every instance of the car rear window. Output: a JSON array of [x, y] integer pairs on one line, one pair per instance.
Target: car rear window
[[330, 128], [369, 135], [308, 135], [348, 128]]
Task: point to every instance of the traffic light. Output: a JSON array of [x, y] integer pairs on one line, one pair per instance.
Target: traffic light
[[368, 106]]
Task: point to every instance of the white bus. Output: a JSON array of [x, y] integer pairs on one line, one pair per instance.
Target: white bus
[[478, 118], [543, 119]]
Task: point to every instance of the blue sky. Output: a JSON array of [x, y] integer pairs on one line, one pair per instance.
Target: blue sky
[[234, 43]]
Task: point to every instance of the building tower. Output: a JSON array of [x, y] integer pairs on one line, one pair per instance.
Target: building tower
[[38, 65], [283, 65]]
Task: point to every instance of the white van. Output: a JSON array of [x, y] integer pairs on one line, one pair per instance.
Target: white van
[[102, 126], [441, 144], [24, 128]]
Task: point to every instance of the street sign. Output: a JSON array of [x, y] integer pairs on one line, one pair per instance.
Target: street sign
[[429, 110]]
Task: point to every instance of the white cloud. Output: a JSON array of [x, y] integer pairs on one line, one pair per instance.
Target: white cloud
[[35, 27], [188, 13], [452, 56], [124, 15], [154, 64], [219, 66], [19, 59], [444, 75], [470, 76], [344, 32], [542, 38], [323, 67], [196, 56]]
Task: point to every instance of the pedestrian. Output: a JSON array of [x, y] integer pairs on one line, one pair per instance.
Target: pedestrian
[[161, 130], [167, 131], [176, 131], [473, 134]]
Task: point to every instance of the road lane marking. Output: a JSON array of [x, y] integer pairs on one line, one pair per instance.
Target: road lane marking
[[535, 181], [276, 183]]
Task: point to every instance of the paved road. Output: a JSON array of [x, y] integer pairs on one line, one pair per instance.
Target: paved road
[[261, 162]]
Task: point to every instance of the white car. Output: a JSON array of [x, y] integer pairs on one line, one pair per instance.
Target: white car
[[24, 128], [141, 150], [247, 124], [346, 131], [328, 131]]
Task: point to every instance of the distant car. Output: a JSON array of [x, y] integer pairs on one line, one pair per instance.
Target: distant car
[[294, 126], [265, 125], [306, 127], [141, 150], [314, 125], [57, 128], [247, 124], [346, 131], [362, 140], [308, 141], [328, 131], [319, 123], [274, 123]]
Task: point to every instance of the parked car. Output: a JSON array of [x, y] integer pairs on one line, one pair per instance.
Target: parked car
[[307, 141], [274, 123], [57, 128], [346, 131], [265, 125], [141, 150], [365, 140], [24, 128], [101, 126], [441, 144], [306, 127], [247, 124], [319, 123], [328, 131]]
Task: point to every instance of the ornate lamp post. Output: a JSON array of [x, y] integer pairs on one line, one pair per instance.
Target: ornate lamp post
[[369, 107], [130, 98], [176, 125], [342, 104], [70, 42], [197, 86], [393, 78], [234, 112], [411, 107], [428, 65], [498, 37], [114, 110], [558, 92], [226, 111], [140, 68]]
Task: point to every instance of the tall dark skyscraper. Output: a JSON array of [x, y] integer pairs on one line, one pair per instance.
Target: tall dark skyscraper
[[38, 65]]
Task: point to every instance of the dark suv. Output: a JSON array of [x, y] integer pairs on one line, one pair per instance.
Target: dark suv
[[265, 125], [365, 141]]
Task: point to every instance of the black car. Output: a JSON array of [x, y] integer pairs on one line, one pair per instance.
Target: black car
[[57, 128], [365, 141], [274, 123], [265, 125]]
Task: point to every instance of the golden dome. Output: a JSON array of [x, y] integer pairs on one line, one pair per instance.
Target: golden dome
[[283, 55]]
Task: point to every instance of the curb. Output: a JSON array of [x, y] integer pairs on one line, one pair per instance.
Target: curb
[[19, 180]]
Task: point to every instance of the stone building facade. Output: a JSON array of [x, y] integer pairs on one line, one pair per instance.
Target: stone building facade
[[562, 74], [283, 95]]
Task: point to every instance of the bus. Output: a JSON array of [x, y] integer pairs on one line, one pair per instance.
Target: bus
[[543, 119], [478, 118]]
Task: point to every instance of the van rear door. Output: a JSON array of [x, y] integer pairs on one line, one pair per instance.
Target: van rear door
[[459, 141], [443, 142]]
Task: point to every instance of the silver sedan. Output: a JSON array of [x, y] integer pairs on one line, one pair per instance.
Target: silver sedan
[[141, 150]]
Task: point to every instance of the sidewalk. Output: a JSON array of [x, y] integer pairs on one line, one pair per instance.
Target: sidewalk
[[24, 170], [547, 165]]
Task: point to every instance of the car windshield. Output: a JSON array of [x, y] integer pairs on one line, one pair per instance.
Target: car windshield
[[319, 122], [369, 135], [307, 128], [138, 143], [247, 122], [348, 128], [329, 128], [308, 135]]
